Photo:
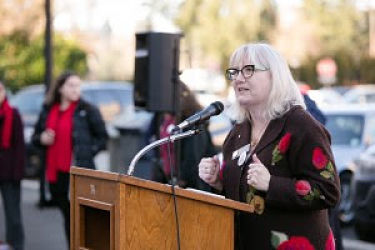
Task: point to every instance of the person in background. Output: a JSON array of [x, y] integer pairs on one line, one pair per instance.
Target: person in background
[[311, 106], [12, 163], [192, 149], [70, 132], [277, 158]]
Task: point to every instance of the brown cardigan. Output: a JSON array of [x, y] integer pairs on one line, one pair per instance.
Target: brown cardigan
[[289, 211]]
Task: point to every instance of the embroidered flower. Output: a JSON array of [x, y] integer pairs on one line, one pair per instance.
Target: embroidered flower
[[281, 148], [296, 243], [284, 143], [321, 162], [330, 242], [302, 187], [319, 159], [257, 204], [277, 238]]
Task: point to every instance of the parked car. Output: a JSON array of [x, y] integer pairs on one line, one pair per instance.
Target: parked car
[[352, 129], [363, 94], [364, 195], [325, 96]]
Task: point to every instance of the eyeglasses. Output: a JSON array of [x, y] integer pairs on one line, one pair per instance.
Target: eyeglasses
[[247, 71]]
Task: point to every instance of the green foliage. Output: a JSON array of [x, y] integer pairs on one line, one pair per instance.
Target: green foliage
[[366, 72], [350, 69], [22, 60], [214, 28], [341, 32], [335, 21]]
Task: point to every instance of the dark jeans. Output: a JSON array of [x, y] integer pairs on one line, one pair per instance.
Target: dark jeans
[[11, 193], [60, 195]]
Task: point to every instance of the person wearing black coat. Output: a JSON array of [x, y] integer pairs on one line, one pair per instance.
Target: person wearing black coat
[[87, 122], [192, 149], [12, 158], [69, 132]]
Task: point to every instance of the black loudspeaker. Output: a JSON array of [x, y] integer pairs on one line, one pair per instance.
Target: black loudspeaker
[[156, 71]]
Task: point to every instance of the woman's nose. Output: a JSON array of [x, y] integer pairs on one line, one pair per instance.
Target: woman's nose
[[240, 77]]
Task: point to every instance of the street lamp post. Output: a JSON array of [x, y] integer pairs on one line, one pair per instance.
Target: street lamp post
[[48, 50]]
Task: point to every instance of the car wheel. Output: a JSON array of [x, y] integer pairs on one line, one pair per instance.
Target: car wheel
[[364, 231], [346, 211]]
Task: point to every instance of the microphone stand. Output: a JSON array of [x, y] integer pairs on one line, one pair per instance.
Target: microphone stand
[[157, 143]]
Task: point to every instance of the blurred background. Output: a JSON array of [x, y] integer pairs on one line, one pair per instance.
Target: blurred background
[[329, 45]]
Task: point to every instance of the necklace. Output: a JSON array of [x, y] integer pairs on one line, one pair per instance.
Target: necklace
[[255, 139]]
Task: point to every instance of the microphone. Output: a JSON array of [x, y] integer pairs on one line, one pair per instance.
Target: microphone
[[213, 109]]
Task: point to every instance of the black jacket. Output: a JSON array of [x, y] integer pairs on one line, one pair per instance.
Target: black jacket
[[89, 134], [193, 149], [12, 160]]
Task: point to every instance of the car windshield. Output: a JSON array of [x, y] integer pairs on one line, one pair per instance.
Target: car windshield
[[345, 129], [108, 96], [28, 102], [109, 101]]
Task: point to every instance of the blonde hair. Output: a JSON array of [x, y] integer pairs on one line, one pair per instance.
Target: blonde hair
[[284, 91]]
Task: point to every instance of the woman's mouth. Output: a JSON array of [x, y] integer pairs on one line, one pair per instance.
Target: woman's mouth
[[241, 89]]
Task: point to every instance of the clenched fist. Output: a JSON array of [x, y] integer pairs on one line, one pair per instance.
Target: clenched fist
[[47, 137], [258, 175], [209, 169]]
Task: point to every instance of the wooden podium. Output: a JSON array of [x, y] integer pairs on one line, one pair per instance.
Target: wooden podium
[[114, 211]]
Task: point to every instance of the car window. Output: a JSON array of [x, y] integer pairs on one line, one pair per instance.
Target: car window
[[106, 96], [109, 101], [28, 102], [370, 98], [345, 129], [370, 131]]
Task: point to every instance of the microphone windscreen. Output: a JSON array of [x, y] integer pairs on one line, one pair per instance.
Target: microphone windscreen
[[219, 107]]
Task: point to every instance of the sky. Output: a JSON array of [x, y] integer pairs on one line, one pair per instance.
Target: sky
[[122, 15]]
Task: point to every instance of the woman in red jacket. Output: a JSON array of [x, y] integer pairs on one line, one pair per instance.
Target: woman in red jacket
[[70, 132], [12, 159], [277, 158]]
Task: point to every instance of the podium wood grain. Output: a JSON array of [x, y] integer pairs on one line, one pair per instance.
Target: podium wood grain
[[113, 211]]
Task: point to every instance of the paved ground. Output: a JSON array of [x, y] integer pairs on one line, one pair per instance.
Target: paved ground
[[44, 229]]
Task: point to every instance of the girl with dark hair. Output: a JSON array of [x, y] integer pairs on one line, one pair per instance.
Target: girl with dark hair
[[70, 132]]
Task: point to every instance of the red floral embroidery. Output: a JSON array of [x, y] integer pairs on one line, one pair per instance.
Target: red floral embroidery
[[221, 171], [330, 242], [302, 187], [319, 159], [281, 148], [321, 162], [284, 143], [296, 243]]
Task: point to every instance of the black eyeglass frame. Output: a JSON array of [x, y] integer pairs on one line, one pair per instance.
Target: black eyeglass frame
[[232, 76]]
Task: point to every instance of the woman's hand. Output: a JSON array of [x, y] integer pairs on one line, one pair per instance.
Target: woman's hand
[[258, 175], [209, 169], [47, 137]]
